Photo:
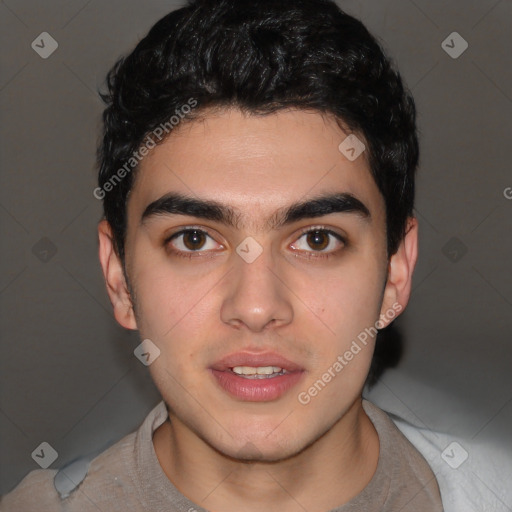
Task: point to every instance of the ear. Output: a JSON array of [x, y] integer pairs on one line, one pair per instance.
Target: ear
[[400, 269], [114, 278]]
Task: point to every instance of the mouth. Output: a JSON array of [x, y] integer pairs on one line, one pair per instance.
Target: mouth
[[260, 372], [256, 377]]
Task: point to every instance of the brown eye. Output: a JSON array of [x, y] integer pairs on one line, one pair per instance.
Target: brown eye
[[317, 240], [194, 240]]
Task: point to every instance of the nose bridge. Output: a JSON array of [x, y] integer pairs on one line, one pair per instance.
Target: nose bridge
[[256, 296]]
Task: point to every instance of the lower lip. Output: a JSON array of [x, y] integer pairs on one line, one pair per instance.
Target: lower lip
[[256, 390]]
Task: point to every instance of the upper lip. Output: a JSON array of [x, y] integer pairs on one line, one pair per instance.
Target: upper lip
[[255, 359]]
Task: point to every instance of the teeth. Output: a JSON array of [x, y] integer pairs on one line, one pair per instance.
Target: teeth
[[254, 371]]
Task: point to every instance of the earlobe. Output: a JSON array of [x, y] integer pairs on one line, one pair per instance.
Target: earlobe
[[114, 278], [400, 271]]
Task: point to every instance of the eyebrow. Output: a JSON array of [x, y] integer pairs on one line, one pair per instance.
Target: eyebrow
[[178, 204]]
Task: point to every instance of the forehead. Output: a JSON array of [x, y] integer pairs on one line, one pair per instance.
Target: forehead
[[255, 164]]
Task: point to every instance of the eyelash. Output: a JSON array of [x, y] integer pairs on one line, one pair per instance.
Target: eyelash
[[310, 254]]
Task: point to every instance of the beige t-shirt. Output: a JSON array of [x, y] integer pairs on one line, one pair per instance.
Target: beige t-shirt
[[127, 477]]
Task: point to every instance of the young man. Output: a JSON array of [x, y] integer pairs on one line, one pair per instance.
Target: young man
[[257, 173]]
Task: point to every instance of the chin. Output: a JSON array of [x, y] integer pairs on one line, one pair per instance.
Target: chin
[[259, 446], [251, 452]]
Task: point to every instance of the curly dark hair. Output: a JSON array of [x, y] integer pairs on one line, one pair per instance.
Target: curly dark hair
[[261, 56]]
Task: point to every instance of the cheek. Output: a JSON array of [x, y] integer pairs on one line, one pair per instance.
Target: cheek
[[173, 315], [164, 300], [350, 307], [176, 309], [344, 302]]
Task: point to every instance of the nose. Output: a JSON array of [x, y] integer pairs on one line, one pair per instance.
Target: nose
[[257, 296]]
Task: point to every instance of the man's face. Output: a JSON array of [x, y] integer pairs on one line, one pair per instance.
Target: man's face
[[211, 302]]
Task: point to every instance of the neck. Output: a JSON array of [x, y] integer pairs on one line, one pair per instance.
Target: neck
[[324, 475]]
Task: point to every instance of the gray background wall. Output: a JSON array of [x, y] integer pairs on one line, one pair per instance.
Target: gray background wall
[[68, 374]]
